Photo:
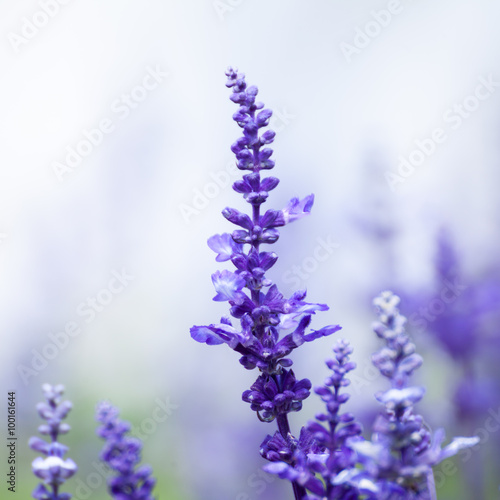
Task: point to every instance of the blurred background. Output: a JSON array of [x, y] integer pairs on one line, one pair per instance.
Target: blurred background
[[115, 165]]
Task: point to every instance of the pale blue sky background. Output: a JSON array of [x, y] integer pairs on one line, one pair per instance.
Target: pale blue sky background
[[341, 125]]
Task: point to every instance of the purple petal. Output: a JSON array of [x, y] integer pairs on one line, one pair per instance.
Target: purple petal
[[283, 470], [227, 285], [238, 218], [272, 218], [218, 334], [322, 332], [224, 246], [296, 208], [296, 309], [205, 335], [458, 444], [37, 444], [269, 183], [406, 396]]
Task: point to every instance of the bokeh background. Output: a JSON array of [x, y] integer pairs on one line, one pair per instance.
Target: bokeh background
[[355, 88]]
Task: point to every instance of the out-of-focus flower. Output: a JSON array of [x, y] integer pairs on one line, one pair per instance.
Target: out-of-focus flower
[[403, 451], [53, 469], [123, 454], [321, 449]]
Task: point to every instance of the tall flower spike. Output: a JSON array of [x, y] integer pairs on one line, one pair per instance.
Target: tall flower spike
[[336, 427], [122, 454], [321, 449], [271, 326], [403, 451], [53, 469]]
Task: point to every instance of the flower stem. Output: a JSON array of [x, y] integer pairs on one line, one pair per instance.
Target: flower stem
[[298, 490], [284, 428], [283, 425]]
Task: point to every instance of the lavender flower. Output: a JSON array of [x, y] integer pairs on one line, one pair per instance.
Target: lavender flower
[[122, 454], [297, 461], [330, 459], [265, 315], [400, 457], [54, 469], [458, 324], [321, 449], [466, 328], [339, 426]]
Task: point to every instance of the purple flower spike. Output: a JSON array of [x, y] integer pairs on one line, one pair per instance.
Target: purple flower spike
[[254, 300], [330, 460], [271, 326], [403, 451], [322, 449], [123, 454], [53, 470]]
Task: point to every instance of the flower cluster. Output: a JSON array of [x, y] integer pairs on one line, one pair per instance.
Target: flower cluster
[[467, 327], [53, 469], [321, 449], [271, 326], [330, 459], [400, 456], [122, 454]]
